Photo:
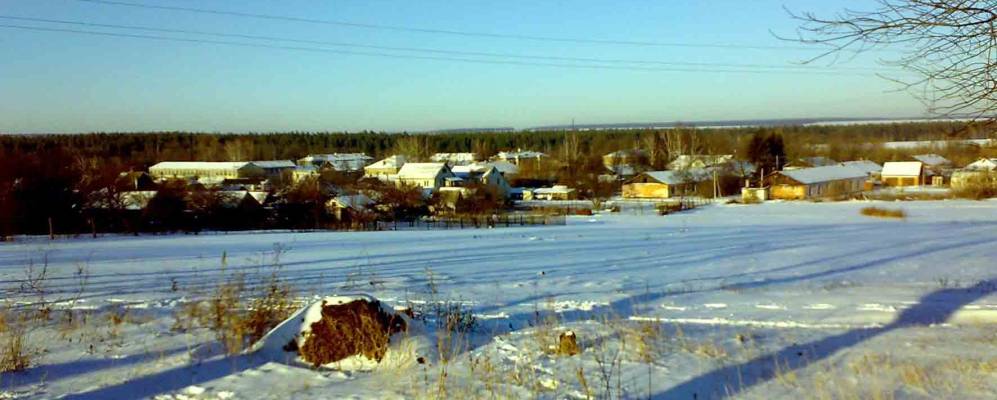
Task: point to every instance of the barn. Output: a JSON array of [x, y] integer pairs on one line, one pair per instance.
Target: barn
[[664, 184], [817, 182]]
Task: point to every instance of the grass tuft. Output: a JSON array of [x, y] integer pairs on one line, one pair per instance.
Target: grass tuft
[[879, 212]]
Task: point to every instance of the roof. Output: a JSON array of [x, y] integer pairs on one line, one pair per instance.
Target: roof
[[983, 164], [869, 167], [555, 189], [270, 164], [420, 170], [454, 157], [512, 155], [395, 161], [678, 177], [204, 165], [902, 168], [818, 161], [824, 174], [932, 159], [687, 160]]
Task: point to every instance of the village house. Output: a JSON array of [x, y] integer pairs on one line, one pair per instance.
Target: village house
[[817, 182], [425, 175], [386, 167], [342, 162], [518, 156], [350, 208], [936, 168], [691, 161], [664, 184], [982, 170], [903, 173], [204, 169], [558, 192], [623, 164], [276, 169], [454, 158], [983, 164], [482, 174]]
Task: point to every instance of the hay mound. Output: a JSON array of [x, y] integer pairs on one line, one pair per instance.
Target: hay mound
[[567, 344], [347, 333], [357, 328]]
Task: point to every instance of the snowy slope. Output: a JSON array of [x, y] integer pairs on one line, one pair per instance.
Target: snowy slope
[[726, 285]]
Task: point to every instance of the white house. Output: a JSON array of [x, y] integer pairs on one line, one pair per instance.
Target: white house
[[520, 155], [482, 174], [424, 175]]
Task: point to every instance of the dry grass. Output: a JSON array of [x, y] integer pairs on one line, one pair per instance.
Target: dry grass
[[879, 212], [15, 353]]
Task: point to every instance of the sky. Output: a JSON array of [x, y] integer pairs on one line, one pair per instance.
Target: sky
[[58, 81]]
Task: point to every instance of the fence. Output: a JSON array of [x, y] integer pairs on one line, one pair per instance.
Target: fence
[[469, 222]]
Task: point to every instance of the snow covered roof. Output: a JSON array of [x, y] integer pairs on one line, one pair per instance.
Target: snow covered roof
[[454, 157], [672, 177], [395, 161], [339, 161], [824, 174], [983, 164], [552, 190], [271, 164], [421, 170], [703, 160], [932, 159], [869, 167], [519, 154], [902, 168], [202, 165], [622, 170]]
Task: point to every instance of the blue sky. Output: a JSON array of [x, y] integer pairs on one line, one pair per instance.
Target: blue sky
[[62, 82]]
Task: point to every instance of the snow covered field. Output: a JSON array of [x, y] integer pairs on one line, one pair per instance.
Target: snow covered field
[[763, 301]]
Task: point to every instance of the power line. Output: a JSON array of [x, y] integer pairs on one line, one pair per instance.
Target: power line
[[396, 28], [421, 57], [429, 50]]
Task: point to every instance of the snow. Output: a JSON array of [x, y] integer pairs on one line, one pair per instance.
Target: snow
[[869, 167], [932, 159], [902, 168], [815, 288], [824, 174]]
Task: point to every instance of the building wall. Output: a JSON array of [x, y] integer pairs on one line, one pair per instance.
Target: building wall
[[789, 192], [380, 171], [900, 181], [646, 191]]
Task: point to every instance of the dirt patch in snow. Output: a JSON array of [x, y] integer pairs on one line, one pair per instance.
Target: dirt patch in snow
[[359, 327]]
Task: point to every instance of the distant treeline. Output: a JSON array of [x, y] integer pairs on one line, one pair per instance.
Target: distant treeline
[[141, 149]]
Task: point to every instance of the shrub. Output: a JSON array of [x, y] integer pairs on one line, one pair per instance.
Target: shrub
[[355, 328], [883, 212]]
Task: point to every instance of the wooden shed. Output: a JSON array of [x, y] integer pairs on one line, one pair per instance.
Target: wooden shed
[[809, 183]]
